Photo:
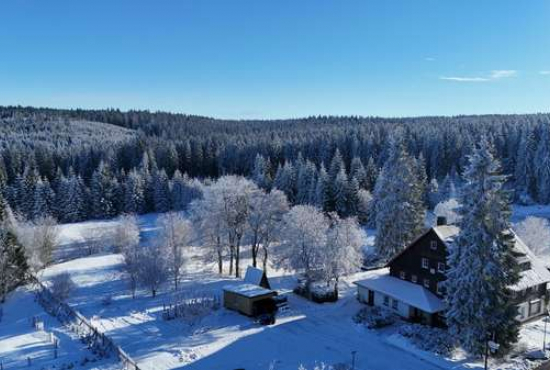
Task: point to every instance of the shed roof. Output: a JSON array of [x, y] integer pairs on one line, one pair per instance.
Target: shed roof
[[253, 275], [412, 294], [248, 290]]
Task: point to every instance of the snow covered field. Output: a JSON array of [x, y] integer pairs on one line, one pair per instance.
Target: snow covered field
[[307, 333]]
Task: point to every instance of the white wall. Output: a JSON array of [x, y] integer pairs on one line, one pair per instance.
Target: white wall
[[402, 308]]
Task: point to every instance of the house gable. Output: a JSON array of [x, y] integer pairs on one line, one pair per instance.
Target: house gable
[[423, 262]]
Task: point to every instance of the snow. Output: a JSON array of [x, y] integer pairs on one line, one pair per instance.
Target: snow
[[305, 333], [248, 290], [19, 340], [412, 294]]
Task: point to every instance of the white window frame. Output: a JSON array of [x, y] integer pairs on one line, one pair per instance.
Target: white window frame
[[403, 275], [532, 303], [439, 288], [426, 283], [414, 278], [433, 245], [425, 263], [441, 267]]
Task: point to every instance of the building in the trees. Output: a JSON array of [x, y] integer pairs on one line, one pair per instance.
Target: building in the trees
[[411, 283], [253, 296]]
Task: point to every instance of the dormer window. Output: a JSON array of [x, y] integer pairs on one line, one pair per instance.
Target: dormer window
[[425, 263], [433, 245]]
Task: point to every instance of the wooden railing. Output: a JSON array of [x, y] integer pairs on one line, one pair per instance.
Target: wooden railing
[[80, 325]]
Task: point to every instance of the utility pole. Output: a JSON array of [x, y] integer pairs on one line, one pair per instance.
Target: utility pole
[[544, 337]]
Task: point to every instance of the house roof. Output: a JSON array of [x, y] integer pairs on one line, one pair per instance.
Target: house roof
[[253, 275], [412, 294], [535, 275], [248, 290]]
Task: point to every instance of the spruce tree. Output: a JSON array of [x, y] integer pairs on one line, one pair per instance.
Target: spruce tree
[[481, 265], [399, 202]]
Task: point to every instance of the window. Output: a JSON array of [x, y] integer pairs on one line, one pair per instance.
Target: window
[[521, 313], [440, 288], [534, 307], [441, 267], [414, 278], [433, 244], [403, 275], [427, 283], [425, 263], [386, 300], [394, 304]]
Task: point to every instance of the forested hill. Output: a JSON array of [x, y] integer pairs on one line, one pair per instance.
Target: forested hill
[[53, 146]]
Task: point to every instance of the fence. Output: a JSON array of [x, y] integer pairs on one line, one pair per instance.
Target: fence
[[96, 340]]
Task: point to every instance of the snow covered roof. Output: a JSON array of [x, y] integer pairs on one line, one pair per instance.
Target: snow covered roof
[[536, 274], [412, 294], [248, 290], [253, 275], [446, 232]]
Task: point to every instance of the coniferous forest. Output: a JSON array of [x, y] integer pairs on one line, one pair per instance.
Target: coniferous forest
[[84, 164]]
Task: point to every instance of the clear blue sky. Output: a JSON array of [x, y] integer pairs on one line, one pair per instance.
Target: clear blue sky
[[276, 59]]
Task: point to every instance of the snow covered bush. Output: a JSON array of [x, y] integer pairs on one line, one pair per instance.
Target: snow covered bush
[[62, 286], [428, 338], [449, 210], [374, 317], [535, 232]]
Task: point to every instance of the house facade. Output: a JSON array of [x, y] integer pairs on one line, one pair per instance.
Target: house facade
[[411, 284]]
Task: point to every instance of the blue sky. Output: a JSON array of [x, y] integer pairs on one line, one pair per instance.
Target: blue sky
[[277, 59]]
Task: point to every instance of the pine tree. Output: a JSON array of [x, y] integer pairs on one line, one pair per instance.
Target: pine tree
[[103, 192], [523, 173], [399, 203], [481, 265], [542, 165], [161, 192], [321, 189], [261, 172], [357, 171], [340, 192], [371, 174]]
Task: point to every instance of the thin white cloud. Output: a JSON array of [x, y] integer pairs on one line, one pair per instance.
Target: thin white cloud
[[429, 59], [544, 73], [464, 79], [503, 73], [496, 74]]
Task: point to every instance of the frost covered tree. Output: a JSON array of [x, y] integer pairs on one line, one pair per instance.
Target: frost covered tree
[[228, 201], [303, 240], [321, 189], [153, 267], [285, 180], [342, 254], [399, 202], [535, 232], [433, 193], [364, 206], [481, 265], [127, 240], [175, 233], [264, 220], [208, 223], [261, 173], [126, 233], [40, 238], [449, 209], [523, 172], [340, 193], [542, 165], [103, 192], [62, 286]]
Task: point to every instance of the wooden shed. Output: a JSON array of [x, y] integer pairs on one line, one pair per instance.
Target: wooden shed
[[249, 299]]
